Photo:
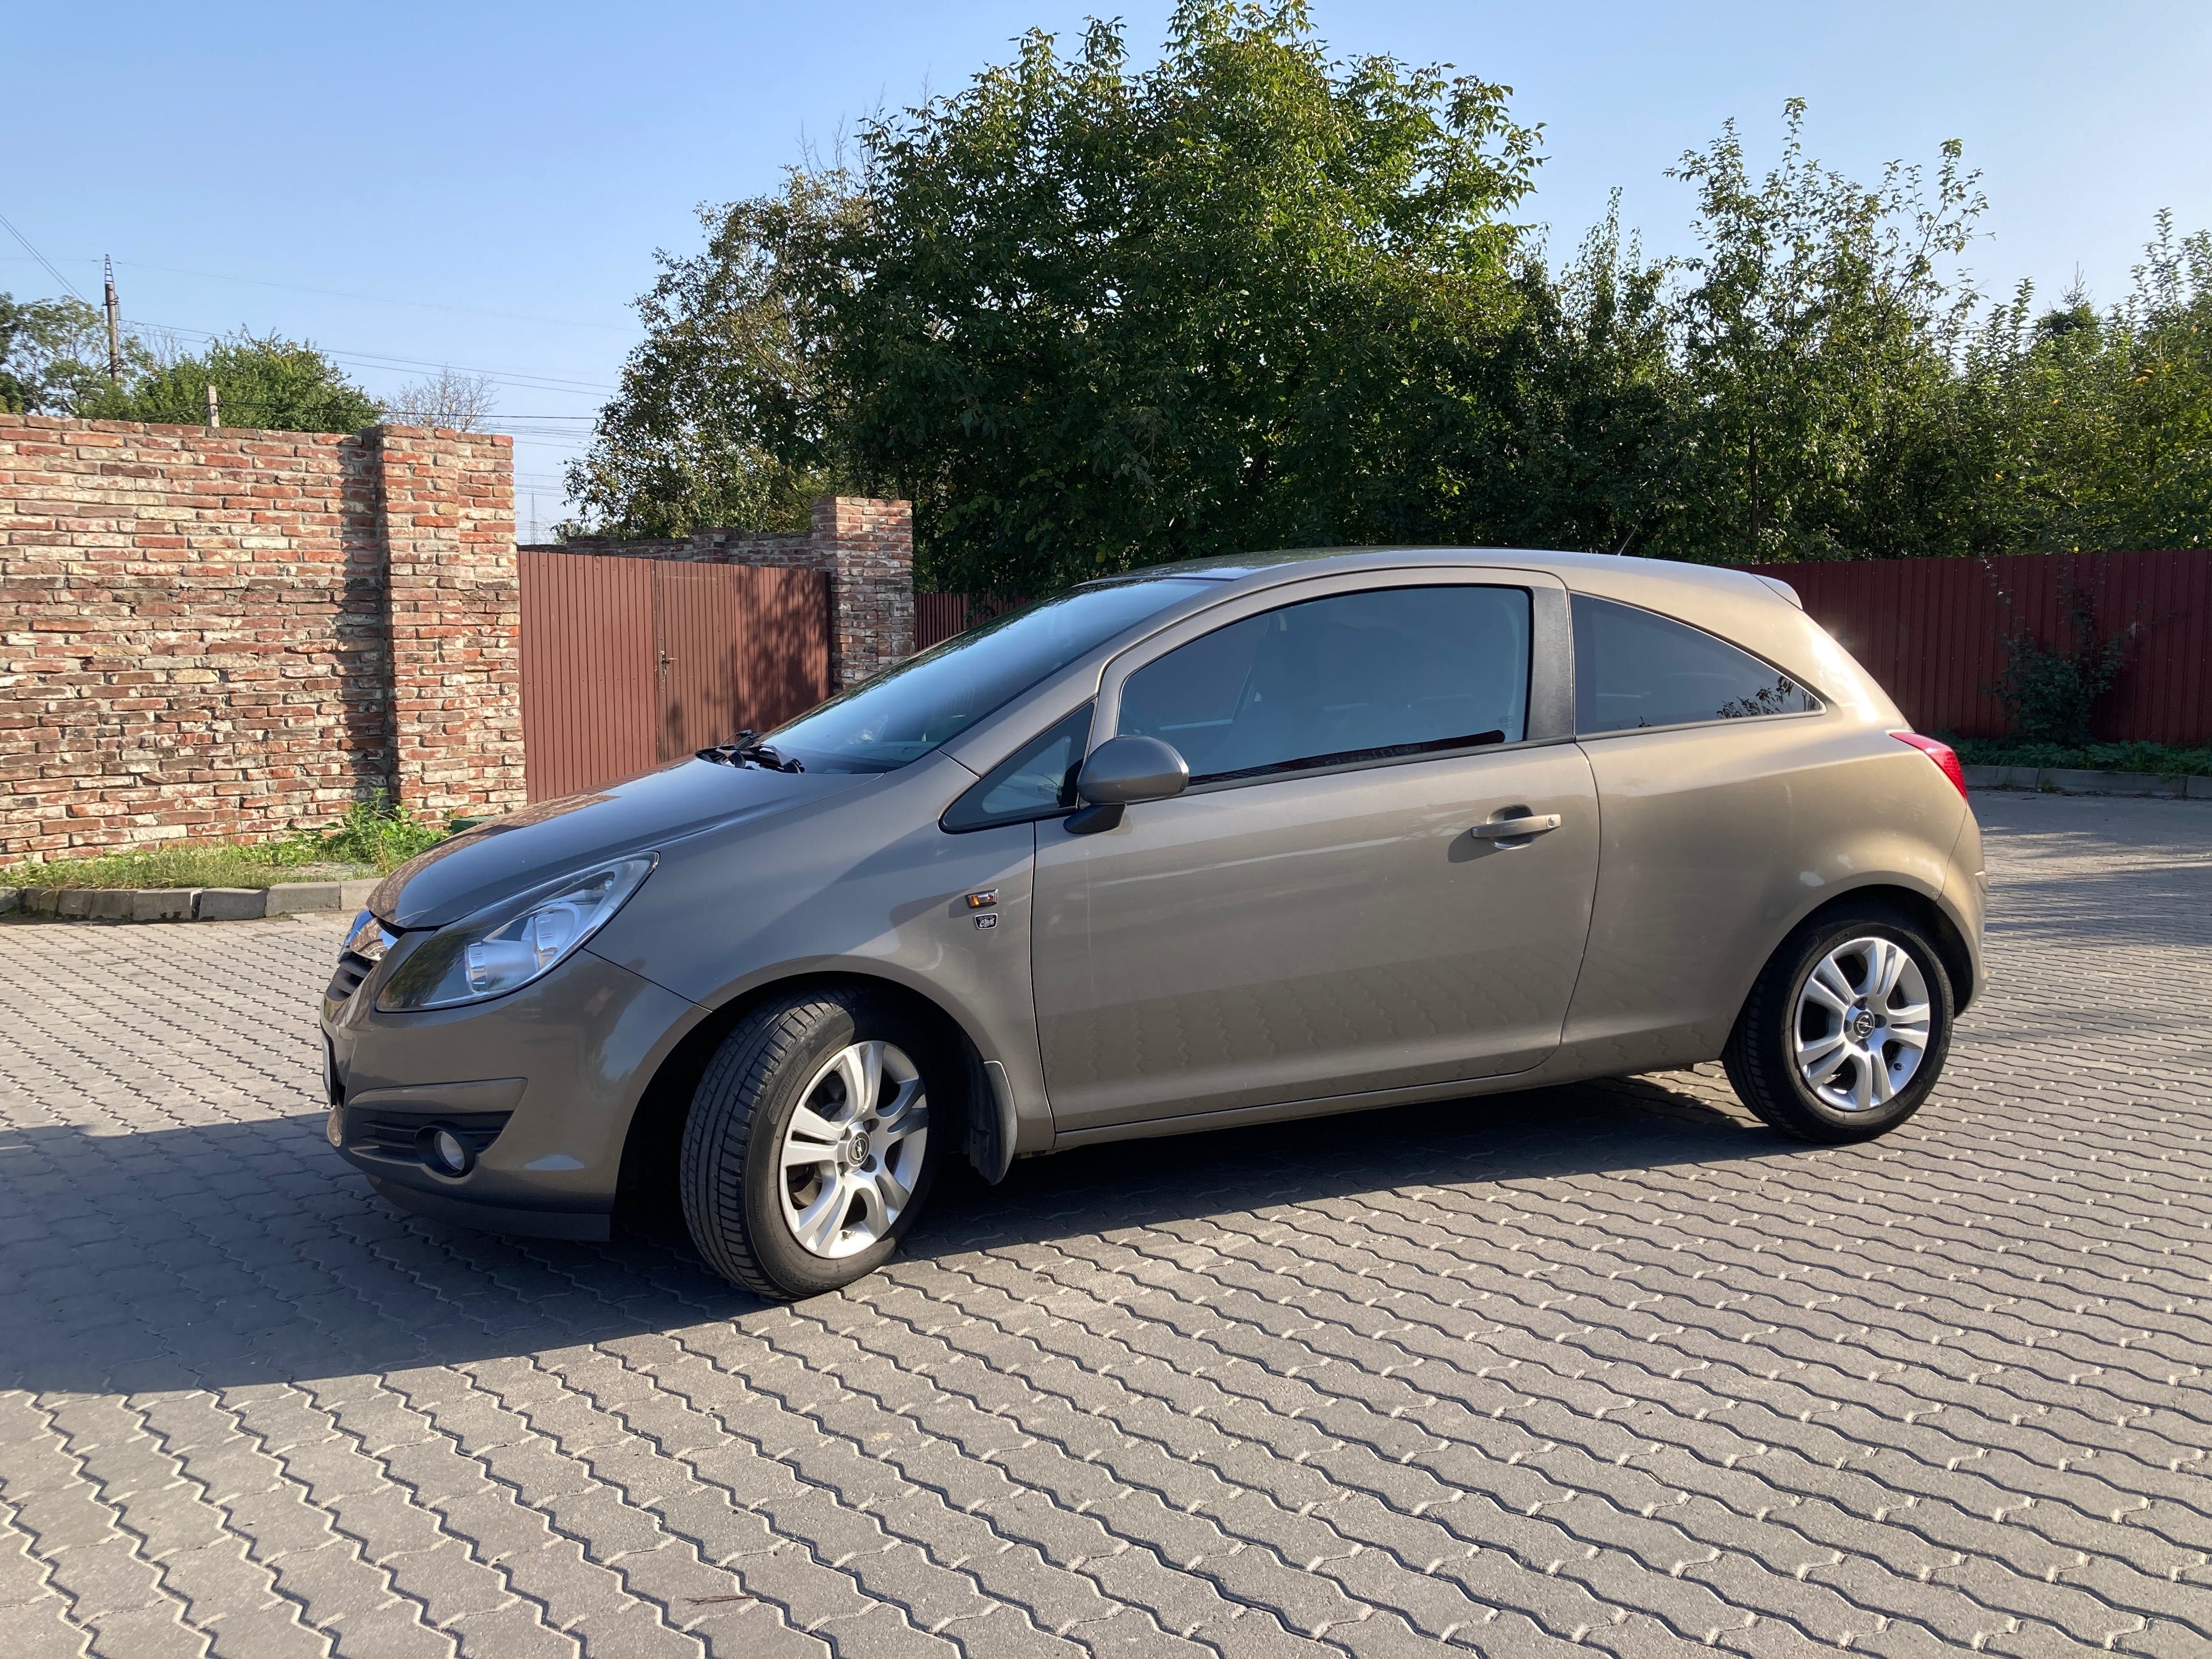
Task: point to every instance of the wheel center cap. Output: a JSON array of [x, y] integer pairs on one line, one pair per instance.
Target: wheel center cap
[[856, 1146], [1862, 1024]]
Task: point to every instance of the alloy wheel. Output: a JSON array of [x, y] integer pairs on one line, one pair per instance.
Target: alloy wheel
[[854, 1149], [1863, 1023]]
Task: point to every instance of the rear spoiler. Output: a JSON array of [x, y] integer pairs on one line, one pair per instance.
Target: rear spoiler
[[1784, 589]]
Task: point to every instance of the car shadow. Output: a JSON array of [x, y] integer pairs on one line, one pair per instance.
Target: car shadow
[[223, 1255]]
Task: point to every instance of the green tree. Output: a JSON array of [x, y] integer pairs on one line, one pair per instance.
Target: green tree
[[1583, 451], [262, 381], [53, 357], [1816, 336], [726, 416], [1090, 316], [2100, 426]]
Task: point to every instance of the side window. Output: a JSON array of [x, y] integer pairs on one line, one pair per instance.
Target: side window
[[1037, 782], [1369, 676], [1634, 669]]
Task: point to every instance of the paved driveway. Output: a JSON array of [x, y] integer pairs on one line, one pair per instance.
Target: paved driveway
[[1609, 1364]]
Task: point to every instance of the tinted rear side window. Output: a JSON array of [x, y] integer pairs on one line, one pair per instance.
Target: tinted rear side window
[[1635, 669], [1354, 677]]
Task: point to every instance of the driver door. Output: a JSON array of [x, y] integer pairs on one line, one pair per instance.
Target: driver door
[[1323, 913]]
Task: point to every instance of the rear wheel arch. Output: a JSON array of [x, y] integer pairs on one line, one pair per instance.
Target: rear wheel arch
[[1917, 907], [647, 1194], [1777, 1067]]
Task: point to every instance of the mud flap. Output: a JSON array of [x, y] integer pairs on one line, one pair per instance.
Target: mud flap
[[991, 1122]]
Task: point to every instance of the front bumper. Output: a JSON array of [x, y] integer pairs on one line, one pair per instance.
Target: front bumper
[[542, 1086]]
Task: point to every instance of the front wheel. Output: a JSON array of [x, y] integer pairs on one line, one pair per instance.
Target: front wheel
[[807, 1153], [1846, 1033]]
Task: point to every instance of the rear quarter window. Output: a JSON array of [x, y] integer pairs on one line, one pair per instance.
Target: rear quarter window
[[1635, 669]]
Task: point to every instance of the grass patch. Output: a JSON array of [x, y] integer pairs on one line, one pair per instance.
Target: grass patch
[[373, 839], [2155, 757]]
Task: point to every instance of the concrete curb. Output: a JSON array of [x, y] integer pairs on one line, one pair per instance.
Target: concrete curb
[[185, 903], [2067, 780]]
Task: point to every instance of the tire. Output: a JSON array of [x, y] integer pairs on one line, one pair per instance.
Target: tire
[[771, 1222], [1797, 1025]]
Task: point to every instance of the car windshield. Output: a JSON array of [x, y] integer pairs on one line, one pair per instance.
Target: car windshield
[[900, 715]]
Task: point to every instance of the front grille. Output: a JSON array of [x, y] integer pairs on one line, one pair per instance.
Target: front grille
[[353, 967], [397, 1136]]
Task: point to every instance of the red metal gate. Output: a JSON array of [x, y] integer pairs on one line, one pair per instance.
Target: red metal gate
[[627, 663]]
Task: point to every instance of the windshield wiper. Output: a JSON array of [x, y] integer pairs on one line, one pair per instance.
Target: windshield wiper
[[731, 753], [761, 754], [738, 752]]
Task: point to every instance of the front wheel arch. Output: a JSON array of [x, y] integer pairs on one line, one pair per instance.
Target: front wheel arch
[[647, 1195]]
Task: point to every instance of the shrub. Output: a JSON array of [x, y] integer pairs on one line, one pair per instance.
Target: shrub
[[2049, 695]]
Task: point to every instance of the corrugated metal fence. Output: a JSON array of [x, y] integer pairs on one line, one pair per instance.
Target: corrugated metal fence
[[1933, 631], [938, 617], [627, 662]]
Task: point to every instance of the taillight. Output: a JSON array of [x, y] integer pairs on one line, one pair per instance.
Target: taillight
[[1945, 756]]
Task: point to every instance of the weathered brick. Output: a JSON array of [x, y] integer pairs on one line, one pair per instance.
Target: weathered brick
[[217, 629]]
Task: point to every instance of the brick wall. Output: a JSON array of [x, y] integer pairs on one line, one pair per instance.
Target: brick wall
[[867, 546], [446, 518], [236, 632]]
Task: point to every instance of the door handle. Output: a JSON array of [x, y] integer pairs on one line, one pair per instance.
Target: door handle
[[1516, 828]]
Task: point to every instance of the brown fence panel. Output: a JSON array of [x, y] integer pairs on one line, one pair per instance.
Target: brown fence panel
[[938, 617], [783, 616], [628, 662], [587, 676], [741, 646], [1933, 631]]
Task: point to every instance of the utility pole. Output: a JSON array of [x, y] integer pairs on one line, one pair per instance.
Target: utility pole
[[215, 408], [114, 326]]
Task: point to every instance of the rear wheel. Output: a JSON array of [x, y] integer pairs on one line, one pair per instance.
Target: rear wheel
[[1845, 1033], [807, 1153]]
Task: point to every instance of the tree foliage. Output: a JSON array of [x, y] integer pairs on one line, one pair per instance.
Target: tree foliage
[[260, 380], [54, 360], [451, 398], [1089, 315], [53, 357], [726, 415], [1096, 316]]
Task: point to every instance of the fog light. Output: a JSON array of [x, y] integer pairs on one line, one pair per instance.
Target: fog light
[[447, 1152]]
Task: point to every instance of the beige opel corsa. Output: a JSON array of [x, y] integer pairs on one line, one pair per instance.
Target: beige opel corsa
[[1223, 842]]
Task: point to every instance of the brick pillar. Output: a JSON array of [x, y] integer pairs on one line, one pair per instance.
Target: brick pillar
[[446, 517], [867, 545]]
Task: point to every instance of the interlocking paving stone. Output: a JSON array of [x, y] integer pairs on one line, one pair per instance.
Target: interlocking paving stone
[[1608, 1366]]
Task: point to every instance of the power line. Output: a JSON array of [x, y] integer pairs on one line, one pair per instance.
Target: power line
[[343, 294], [378, 299], [42, 259], [521, 379]]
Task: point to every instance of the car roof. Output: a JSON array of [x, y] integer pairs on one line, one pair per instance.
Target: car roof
[[1572, 568]]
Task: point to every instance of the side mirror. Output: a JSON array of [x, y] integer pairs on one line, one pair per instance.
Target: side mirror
[[1122, 772]]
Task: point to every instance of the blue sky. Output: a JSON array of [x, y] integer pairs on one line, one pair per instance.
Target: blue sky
[[484, 185]]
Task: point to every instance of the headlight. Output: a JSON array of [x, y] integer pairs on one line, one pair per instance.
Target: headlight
[[504, 948]]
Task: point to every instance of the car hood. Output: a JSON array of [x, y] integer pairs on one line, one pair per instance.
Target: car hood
[[542, 843]]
